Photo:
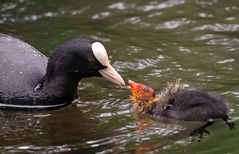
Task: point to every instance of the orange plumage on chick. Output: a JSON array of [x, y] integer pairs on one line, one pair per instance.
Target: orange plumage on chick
[[142, 96]]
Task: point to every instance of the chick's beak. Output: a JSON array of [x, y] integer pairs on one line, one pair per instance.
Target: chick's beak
[[131, 84], [111, 74], [133, 87]]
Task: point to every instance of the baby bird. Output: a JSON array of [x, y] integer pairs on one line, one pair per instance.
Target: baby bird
[[181, 103]]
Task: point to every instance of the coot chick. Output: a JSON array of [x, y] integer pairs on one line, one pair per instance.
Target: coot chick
[[31, 81], [181, 103]]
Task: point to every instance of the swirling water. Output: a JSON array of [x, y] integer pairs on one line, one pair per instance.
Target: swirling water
[[152, 42]]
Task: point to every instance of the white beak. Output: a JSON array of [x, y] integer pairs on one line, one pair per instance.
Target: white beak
[[111, 74]]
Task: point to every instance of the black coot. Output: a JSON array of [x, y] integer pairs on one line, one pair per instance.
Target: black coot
[[31, 81]]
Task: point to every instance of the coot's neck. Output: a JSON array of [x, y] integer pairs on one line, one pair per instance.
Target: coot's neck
[[60, 86], [58, 81]]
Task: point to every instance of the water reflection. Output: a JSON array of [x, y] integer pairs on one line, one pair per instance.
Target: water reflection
[[35, 131], [152, 42], [166, 131], [16, 125], [23, 129]]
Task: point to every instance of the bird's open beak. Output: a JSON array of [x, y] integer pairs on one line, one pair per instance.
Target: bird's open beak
[[111, 74]]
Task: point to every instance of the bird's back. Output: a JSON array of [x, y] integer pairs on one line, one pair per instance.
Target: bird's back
[[21, 65], [197, 105]]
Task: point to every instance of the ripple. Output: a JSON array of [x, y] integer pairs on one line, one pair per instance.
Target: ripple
[[80, 11], [100, 38], [110, 114], [8, 6], [184, 49], [155, 6], [217, 27], [206, 3], [159, 72], [101, 15], [133, 49], [228, 43], [41, 115], [30, 18], [205, 15], [121, 140], [230, 18], [230, 60], [35, 149], [121, 104], [20, 127], [155, 14], [231, 9], [37, 17], [134, 21], [224, 41], [235, 93], [146, 30], [139, 65], [34, 17], [116, 140], [206, 37], [173, 24], [120, 6]]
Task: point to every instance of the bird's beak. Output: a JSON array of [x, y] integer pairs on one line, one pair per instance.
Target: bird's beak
[[111, 74], [133, 87], [132, 84]]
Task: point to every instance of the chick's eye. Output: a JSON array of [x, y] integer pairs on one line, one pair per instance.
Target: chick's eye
[[144, 89]]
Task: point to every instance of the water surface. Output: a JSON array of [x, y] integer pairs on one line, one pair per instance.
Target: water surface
[[153, 42]]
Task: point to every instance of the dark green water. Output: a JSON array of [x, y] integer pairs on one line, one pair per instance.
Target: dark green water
[[152, 42]]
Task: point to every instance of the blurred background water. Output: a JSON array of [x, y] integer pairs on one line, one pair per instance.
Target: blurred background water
[[149, 41]]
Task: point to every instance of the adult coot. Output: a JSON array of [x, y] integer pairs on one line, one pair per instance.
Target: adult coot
[[181, 103], [31, 81]]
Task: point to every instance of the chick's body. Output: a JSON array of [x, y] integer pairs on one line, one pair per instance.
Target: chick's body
[[190, 105], [179, 102]]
